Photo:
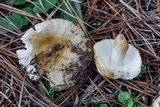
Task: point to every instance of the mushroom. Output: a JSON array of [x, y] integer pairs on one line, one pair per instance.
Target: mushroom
[[117, 59], [58, 50], [156, 103]]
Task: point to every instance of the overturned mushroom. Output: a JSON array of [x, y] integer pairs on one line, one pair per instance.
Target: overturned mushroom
[[117, 59], [58, 49], [156, 103]]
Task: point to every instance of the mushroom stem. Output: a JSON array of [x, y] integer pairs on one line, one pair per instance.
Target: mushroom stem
[[119, 51]]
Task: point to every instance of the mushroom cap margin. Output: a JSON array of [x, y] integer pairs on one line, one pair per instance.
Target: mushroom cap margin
[[131, 64]]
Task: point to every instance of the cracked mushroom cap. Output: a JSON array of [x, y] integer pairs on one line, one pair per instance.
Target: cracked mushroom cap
[[117, 59], [57, 49]]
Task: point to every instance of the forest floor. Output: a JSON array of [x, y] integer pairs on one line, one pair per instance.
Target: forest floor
[[138, 20]]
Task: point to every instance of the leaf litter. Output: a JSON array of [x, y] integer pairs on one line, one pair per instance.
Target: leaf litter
[[138, 20]]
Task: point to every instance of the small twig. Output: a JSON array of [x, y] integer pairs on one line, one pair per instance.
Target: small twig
[[149, 53], [100, 92], [6, 98], [140, 91], [21, 93], [147, 4], [13, 9]]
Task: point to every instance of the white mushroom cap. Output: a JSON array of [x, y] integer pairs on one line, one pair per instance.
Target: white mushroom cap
[[117, 59], [63, 67], [156, 103]]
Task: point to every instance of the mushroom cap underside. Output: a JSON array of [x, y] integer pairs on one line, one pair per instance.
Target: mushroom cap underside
[[131, 64], [156, 103]]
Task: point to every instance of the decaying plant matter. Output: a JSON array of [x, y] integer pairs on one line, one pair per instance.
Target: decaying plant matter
[[138, 20]]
